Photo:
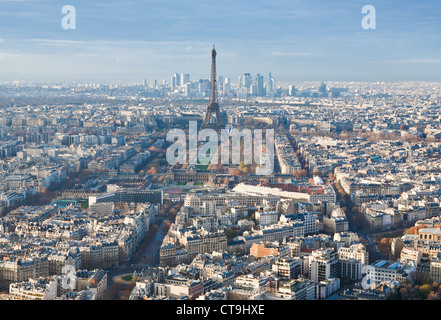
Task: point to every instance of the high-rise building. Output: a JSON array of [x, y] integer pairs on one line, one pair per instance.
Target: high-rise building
[[356, 251], [227, 85], [253, 90], [204, 87], [240, 81], [350, 269], [187, 89], [172, 83], [259, 85], [323, 264], [247, 80], [270, 85], [220, 81], [175, 81], [185, 78], [322, 88], [289, 268], [178, 79]]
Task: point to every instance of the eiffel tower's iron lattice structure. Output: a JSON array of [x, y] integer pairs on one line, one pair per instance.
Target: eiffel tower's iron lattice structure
[[213, 119]]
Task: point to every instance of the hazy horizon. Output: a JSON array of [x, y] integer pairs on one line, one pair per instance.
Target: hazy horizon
[[294, 40]]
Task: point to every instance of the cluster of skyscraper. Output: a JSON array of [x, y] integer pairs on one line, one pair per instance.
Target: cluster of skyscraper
[[246, 85], [257, 87], [178, 80]]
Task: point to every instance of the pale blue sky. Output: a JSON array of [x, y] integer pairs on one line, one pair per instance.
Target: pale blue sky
[[296, 40]]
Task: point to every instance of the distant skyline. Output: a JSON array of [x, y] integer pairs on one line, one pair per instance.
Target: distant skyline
[[308, 40]]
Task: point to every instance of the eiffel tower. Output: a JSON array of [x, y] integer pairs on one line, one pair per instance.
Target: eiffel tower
[[213, 119]]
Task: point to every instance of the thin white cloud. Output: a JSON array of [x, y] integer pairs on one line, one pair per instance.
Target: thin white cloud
[[7, 55], [415, 60], [420, 61], [294, 54]]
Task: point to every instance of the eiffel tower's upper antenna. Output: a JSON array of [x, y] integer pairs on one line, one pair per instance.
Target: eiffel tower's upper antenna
[[213, 89]]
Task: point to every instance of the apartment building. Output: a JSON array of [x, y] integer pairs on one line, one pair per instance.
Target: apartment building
[[323, 264], [356, 251], [33, 289], [289, 268], [387, 271]]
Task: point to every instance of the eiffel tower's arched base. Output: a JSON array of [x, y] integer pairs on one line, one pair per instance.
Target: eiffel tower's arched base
[[213, 127]]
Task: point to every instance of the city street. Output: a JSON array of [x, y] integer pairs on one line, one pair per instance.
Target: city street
[[137, 266]]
